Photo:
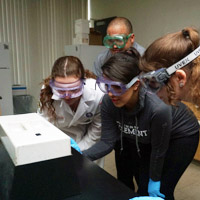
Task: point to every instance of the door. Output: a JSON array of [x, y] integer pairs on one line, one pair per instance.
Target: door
[[6, 101]]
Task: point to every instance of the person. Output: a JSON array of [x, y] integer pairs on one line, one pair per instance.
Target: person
[[70, 101], [158, 141], [177, 57], [119, 37]]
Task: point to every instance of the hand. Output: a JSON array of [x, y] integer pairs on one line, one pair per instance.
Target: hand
[[154, 189], [146, 198], [75, 145]]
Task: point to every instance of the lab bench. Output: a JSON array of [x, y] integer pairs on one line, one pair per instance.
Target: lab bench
[[94, 183]]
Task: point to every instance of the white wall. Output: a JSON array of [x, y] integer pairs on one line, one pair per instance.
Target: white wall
[[150, 18]]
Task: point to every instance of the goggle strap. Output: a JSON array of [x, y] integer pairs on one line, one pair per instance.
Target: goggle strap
[[183, 62], [132, 82], [129, 35]]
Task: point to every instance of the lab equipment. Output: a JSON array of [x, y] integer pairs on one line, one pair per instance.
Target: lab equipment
[[36, 160]]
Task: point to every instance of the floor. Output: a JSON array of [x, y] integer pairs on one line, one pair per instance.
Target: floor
[[188, 187]]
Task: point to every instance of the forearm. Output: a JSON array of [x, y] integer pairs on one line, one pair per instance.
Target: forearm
[[98, 150], [161, 128], [88, 142]]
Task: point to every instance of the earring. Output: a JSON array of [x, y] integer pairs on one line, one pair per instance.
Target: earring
[[181, 84]]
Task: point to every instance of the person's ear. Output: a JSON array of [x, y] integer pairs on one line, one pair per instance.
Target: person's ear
[[132, 38], [181, 77], [136, 85]]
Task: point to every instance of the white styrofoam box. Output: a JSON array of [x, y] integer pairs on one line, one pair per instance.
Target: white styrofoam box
[[30, 138], [82, 26], [19, 90]]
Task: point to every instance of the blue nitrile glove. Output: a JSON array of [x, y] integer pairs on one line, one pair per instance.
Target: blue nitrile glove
[[146, 198], [75, 145], [154, 189]]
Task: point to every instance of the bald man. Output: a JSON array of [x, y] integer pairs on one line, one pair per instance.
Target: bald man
[[119, 37]]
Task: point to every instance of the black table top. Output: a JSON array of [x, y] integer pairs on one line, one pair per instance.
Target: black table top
[[96, 183]]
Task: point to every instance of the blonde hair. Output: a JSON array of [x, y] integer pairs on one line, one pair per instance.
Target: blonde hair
[[168, 50]]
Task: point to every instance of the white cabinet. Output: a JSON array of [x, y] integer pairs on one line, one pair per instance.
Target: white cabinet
[[86, 53], [6, 101]]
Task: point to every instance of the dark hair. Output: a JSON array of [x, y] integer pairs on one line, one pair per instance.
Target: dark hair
[[122, 66], [169, 49], [122, 21]]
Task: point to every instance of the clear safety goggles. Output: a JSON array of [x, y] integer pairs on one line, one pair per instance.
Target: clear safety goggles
[[116, 88], [70, 90], [155, 80], [117, 40]]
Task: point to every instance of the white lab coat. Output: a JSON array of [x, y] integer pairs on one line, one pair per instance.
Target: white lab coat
[[84, 125]]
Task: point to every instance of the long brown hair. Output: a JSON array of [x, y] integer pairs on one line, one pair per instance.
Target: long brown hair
[[63, 66], [168, 50]]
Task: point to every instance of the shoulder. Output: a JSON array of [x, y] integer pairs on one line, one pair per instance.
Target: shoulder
[[90, 84], [183, 111], [156, 104], [103, 56], [91, 90], [139, 48]]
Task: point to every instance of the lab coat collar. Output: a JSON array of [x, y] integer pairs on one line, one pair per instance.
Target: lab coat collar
[[84, 103], [88, 95]]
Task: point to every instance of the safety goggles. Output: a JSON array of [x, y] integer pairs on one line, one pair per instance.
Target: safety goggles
[[117, 40], [116, 88], [155, 80], [70, 90]]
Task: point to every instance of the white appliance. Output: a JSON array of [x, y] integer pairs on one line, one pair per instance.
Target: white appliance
[[6, 99], [86, 53]]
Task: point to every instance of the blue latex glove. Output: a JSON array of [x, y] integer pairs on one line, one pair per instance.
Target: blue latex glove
[[154, 189], [146, 198], [75, 145]]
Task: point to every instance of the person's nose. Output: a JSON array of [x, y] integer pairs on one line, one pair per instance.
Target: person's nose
[[67, 97], [110, 94], [115, 46]]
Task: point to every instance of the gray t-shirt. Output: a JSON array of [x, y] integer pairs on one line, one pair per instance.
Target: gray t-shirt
[[105, 55]]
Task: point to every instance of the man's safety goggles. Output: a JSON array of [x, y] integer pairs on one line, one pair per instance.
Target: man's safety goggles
[[117, 40], [116, 88], [71, 90], [155, 80]]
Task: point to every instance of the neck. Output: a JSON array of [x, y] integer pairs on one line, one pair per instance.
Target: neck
[[133, 101], [74, 106]]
